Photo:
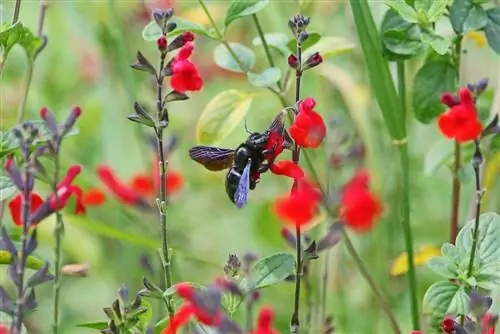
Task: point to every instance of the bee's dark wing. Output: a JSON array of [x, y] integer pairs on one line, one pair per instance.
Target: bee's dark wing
[[278, 126], [213, 158], [241, 193]]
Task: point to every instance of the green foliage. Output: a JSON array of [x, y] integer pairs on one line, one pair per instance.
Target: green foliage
[[224, 59], [444, 297], [492, 29], [11, 35], [266, 78], [329, 46], [402, 8], [310, 41], [100, 325], [221, 115], [152, 31], [277, 40], [439, 153], [434, 78], [400, 39], [7, 188], [438, 43], [270, 270], [238, 9], [467, 16], [31, 263]]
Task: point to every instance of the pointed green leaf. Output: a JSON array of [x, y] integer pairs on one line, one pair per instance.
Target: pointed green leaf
[[269, 271], [277, 40], [476, 20], [145, 317], [225, 60], [152, 31], [221, 115], [11, 35], [400, 39], [441, 298], [492, 29], [438, 43], [242, 8], [329, 46], [443, 266], [402, 8], [434, 78], [265, 79], [466, 16], [437, 9], [451, 252], [94, 325], [309, 42], [31, 263]]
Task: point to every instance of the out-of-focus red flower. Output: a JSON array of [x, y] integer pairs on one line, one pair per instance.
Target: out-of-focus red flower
[[448, 325], [143, 184], [416, 332], [308, 129], [460, 122], [94, 197], [359, 207], [15, 207], [488, 323], [265, 322], [300, 206], [4, 329], [190, 309], [185, 75], [287, 168]]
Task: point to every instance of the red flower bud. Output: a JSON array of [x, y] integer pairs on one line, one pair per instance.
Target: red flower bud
[[314, 60], [77, 111], [188, 36], [8, 164], [293, 61], [43, 113], [162, 42], [448, 99]]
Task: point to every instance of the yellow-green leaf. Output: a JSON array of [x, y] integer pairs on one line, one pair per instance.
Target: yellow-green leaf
[[222, 115], [329, 46], [31, 263]]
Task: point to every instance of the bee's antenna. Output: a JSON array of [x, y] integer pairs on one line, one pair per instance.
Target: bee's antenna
[[246, 127]]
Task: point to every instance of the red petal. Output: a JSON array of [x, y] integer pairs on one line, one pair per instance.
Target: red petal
[[287, 168], [470, 131], [122, 192], [142, 184], [15, 206], [173, 182], [180, 318], [94, 197], [73, 171], [446, 125], [185, 290], [466, 99], [265, 320], [185, 52]]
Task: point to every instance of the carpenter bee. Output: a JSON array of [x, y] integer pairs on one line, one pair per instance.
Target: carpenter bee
[[247, 161]]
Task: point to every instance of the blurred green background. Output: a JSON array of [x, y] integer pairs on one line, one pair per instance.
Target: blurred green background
[[91, 44]]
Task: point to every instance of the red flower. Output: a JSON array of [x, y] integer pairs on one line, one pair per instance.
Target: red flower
[[448, 325], [358, 206], [308, 129], [265, 322], [189, 309], [94, 197], [287, 168], [488, 323], [460, 122], [275, 145], [15, 207], [4, 329], [185, 76], [300, 206]]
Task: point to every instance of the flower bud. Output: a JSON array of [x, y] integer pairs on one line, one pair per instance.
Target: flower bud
[[162, 43], [314, 60], [449, 99], [293, 61]]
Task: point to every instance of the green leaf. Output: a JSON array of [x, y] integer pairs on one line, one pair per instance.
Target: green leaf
[[19, 34], [224, 59], [434, 78], [265, 79], [443, 266], [242, 8], [94, 325], [152, 31], [7, 188], [277, 40], [492, 29], [488, 246], [269, 271], [378, 69], [451, 252], [437, 155], [465, 16], [402, 8], [422, 5], [441, 298], [31, 263], [438, 43], [329, 46], [437, 9], [309, 42], [400, 39], [221, 115], [488, 276], [145, 318]]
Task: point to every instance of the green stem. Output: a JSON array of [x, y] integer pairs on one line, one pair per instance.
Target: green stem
[[455, 195], [405, 208], [58, 236], [162, 205], [17, 8], [294, 322], [479, 195], [27, 83]]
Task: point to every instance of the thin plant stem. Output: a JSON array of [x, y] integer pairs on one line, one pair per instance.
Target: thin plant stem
[[58, 236], [17, 9], [455, 194], [479, 195], [162, 202], [405, 207], [21, 259], [324, 286], [29, 71], [308, 294]]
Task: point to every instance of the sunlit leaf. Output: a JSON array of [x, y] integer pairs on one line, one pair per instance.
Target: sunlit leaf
[[437, 9], [402, 8], [444, 297], [310, 41], [266, 78], [329, 46], [239, 8], [100, 325], [221, 115], [224, 59], [152, 31], [443, 267], [400, 39], [145, 318], [11, 35], [31, 263], [438, 43], [434, 78], [492, 29], [269, 271]]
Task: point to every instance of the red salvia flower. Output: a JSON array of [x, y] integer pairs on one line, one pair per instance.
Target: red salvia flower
[[448, 325], [287, 168], [460, 122], [308, 128], [265, 322], [185, 76], [359, 207], [300, 206], [16, 204], [4, 329], [275, 145], [94, 197], [488, 323]]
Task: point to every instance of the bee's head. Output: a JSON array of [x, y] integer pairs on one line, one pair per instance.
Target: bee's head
[[257, 140]]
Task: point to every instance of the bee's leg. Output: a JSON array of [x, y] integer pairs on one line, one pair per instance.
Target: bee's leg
[[270, 150], [264, 167]]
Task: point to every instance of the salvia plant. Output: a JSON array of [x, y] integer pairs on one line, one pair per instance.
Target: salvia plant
[[415, 73]]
